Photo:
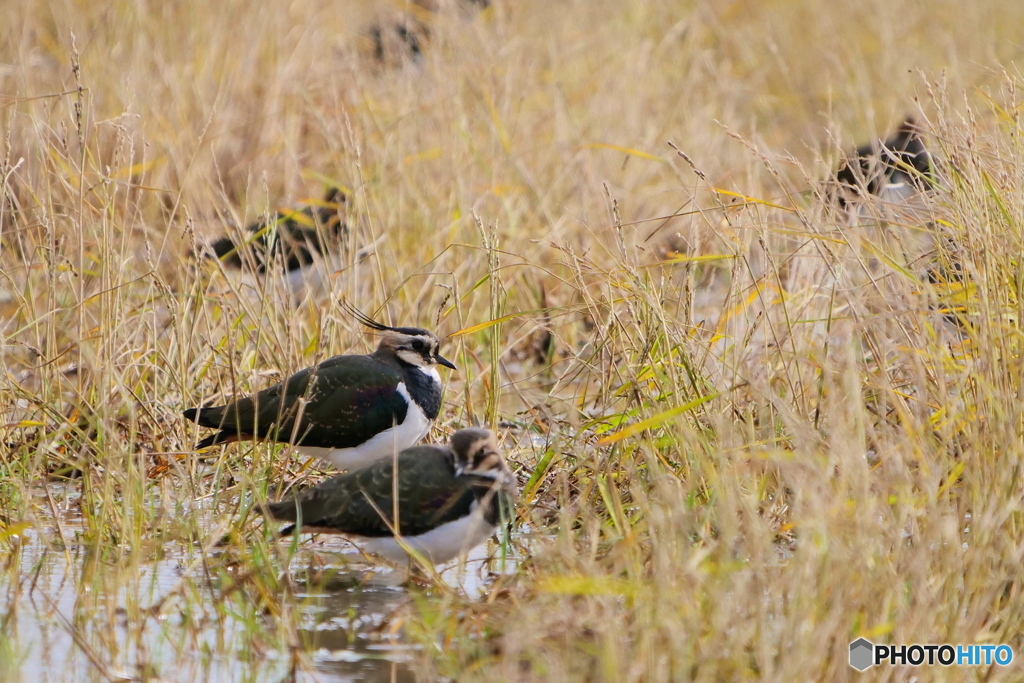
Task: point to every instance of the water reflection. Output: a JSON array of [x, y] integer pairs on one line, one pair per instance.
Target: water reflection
[[346, 623], [347, 627], [352, 622], [66, 617]]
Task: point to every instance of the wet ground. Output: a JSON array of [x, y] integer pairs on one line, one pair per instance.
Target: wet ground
[[350, 629], [71, 618]]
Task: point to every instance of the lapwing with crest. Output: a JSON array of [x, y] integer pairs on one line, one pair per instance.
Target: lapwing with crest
[[349, 410], [449, 500]]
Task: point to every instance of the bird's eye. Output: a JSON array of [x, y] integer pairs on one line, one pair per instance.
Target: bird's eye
[[417, 345]]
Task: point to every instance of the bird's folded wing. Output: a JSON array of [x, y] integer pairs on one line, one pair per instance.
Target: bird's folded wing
[[361, 502], [340, 403]]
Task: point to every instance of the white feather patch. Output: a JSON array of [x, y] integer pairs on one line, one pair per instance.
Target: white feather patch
[[439, 545], [383, 445]]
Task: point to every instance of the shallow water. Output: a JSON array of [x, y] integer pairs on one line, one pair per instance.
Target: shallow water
[[347, 628], [67, 617]]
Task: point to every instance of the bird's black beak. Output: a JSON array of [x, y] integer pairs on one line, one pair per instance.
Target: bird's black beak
[[441, 360]]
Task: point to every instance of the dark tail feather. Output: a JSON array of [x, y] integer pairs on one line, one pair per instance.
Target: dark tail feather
[[287, 531], [283, 511], [214, 439], [209, 416], [213, 417]]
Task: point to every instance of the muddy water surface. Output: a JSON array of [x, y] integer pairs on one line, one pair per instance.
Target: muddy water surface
[[67, 618]]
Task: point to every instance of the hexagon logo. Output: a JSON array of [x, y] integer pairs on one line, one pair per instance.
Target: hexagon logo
[[862, 654]]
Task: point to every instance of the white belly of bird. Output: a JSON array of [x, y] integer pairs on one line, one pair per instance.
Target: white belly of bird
[[309, 280], [383, 445], [439, 545]]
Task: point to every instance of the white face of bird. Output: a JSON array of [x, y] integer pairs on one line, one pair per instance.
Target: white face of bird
[[477, 456], [415, 347]]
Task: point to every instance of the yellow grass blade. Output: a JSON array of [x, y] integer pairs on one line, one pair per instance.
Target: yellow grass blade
[[752, 200], [425, 155], [13, 530], [625, 150], [485, 325], [586, 585], [296, 216], [655, 421], [499, 127], [695, 259], [953, 477], [136, 169]]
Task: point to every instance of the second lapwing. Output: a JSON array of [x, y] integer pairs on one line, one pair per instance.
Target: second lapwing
[[291, 240], [449, 500], [350, 410], [898, 167]]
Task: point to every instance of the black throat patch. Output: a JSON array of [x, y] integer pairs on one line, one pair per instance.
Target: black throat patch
[[424, 390]]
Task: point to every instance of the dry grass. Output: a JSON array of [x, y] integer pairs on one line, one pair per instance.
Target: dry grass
[[826, 458]]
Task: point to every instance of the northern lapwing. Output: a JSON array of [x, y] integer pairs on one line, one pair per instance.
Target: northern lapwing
[[900, 166], [450, 499], [289, 242], [402, 39], [349, 410]]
